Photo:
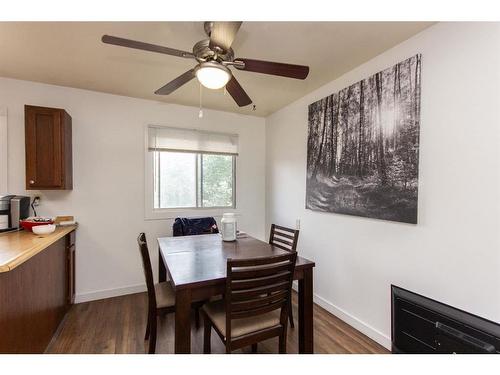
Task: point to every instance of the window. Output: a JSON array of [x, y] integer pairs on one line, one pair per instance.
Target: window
[[189, 169], [193, 180]]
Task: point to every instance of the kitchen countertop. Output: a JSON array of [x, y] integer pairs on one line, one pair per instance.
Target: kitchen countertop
[[18, 247]]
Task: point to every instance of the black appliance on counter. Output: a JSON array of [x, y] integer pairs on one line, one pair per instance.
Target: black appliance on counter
[[12, 209], [423, 325]]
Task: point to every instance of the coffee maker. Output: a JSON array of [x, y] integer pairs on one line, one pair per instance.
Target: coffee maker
[[12, 209]]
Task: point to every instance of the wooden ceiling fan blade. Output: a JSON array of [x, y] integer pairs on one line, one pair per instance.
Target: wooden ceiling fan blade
[[238, 94], [117, 41], [274, 68], [176, 83], [222, 34]]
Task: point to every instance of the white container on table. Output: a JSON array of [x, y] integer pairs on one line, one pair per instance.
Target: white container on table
[[228, 227]]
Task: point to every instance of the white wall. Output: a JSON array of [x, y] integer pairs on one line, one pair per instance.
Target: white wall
[[3, 151], [108, 176], [453, 254]]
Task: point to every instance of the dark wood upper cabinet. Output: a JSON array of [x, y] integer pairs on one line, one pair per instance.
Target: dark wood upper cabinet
[[49, 163]]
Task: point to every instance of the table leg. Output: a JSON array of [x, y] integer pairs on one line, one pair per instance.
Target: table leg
[[162, 270], [183, 321], [306, 338]]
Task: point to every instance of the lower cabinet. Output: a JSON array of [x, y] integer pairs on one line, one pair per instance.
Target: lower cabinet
[[35, 296]]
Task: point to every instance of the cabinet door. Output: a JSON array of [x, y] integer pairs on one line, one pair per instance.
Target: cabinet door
[[43, 132], [70, 274]]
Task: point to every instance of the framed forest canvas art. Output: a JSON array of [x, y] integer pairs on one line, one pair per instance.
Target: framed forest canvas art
[[363, 145]]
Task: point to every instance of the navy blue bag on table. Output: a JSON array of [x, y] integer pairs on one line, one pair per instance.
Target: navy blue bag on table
[[193, 226]]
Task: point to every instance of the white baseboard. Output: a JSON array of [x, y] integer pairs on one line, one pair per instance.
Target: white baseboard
[[361, 326], [108, 293]]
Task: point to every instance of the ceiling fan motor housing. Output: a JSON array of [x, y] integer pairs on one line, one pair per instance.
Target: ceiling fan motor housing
[[203, 52]]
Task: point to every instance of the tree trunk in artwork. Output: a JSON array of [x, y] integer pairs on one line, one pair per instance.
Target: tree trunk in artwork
[[361, 130], [345, 135], [381, 154], [336, 135], [396, 108], [320, 151]]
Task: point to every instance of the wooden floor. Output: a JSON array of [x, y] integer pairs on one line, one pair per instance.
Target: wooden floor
[[117, 325]]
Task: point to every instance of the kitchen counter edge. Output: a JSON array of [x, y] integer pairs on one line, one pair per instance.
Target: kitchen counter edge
[[28, 245]]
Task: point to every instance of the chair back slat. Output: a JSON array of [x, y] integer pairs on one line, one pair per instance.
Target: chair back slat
[[260, 311], [255, 272], [256, 302], [261, 261], [283, 237], [283, 241], [283, 229], [284, 234], [148, 271], [257, 286], [262, 281], [246, 294], [275, 244]]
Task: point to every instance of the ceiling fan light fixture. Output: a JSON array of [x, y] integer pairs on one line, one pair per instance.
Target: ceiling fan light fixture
[[213, 75]]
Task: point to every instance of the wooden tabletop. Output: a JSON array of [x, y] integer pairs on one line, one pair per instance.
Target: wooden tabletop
[[201, 260], [18, 247]]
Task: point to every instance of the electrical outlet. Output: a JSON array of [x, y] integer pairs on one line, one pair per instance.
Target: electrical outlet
[[297, 224]]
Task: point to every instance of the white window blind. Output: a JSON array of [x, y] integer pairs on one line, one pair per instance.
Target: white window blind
[[189, 140]]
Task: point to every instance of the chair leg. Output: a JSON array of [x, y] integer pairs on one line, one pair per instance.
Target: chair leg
[[282, 343], [254, 348], [152, 335], [207, 331], [290, 314], [197, 317], [146, 336]]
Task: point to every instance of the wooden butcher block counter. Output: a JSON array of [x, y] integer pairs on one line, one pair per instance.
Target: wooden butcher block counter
[[37, 287], [18, 247]]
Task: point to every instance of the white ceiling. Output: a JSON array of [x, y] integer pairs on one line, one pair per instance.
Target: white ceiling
[[71, 54]]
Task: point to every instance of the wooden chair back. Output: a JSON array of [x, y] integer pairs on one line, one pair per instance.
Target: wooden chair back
[[148, 271], [284, 238], [257, 286]]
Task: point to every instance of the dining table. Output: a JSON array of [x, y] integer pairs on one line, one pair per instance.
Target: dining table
[[196, 268]]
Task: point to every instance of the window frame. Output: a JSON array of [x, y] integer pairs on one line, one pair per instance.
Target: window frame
[[152, 213]]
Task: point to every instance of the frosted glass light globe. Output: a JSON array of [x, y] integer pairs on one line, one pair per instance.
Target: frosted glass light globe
[[213, 75]]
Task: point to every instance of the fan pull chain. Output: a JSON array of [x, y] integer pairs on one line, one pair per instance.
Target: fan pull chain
[[200, 113]]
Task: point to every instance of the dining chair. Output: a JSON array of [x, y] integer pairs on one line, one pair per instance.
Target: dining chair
[[161, 297], [286, 239], [256, 302]]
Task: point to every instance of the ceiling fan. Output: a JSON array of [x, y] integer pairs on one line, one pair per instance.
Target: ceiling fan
[[214, 56]]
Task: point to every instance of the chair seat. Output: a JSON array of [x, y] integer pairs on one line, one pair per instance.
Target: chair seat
[[217, 313], [165, 295]]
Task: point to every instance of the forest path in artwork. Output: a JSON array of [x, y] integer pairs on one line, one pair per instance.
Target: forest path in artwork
[[359, 197], [363, 146]]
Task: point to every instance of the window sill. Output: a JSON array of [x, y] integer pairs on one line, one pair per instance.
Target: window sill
[[172, 213]]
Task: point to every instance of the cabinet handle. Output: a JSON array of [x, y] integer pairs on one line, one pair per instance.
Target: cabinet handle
[[32, 182]]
